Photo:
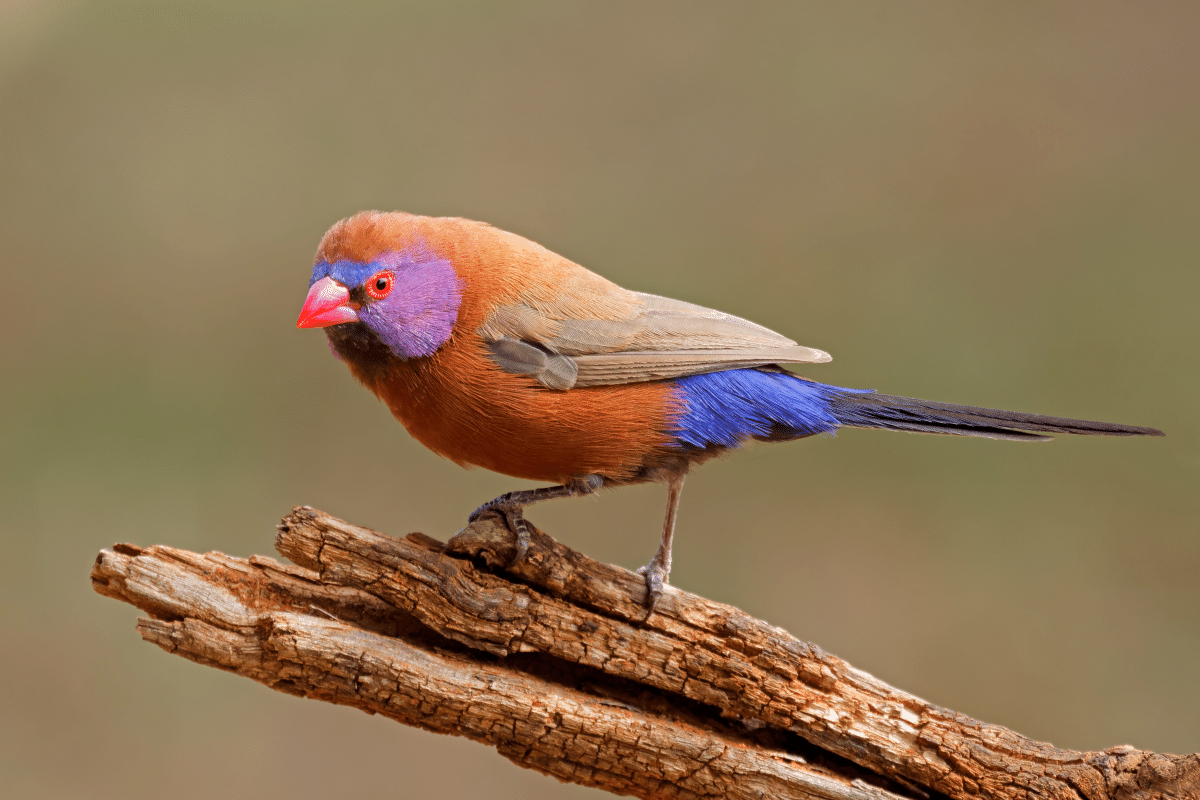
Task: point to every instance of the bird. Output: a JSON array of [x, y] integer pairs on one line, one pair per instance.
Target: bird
[[496, 352]]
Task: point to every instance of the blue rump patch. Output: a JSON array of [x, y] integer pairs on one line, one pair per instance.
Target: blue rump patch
[[726, 408]]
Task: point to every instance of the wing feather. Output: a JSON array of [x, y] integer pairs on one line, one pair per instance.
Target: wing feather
[[631, 367], [655, 339]]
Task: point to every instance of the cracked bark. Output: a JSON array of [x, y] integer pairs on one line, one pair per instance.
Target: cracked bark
[[555, 664]]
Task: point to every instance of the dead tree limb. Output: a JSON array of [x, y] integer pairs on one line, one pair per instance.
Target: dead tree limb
[[556, 665]]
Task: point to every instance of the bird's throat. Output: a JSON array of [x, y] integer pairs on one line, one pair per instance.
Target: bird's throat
[[362, 350]]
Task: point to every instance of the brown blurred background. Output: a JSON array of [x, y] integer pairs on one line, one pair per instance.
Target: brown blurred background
[[993, 204]]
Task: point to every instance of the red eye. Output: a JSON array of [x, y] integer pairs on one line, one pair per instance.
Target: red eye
[[380, 284]]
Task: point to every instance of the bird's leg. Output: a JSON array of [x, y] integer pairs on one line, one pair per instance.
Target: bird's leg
[[512, 506], [659, 568]]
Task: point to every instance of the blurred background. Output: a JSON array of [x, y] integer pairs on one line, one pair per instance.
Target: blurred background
[[992, 204]]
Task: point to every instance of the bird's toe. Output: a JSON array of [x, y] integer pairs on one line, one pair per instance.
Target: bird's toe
[[655, 574], [516, 523]]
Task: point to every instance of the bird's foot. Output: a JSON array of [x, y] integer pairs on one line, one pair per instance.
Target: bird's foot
[[512, 506], [514, 517], [656, 574]]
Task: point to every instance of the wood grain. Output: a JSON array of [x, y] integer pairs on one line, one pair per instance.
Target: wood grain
[[556, 665]]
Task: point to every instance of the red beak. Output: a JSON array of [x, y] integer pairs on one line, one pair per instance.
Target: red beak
[[328, 303]]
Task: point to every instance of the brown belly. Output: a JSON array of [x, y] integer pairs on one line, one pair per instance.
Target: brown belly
[[460, 405]]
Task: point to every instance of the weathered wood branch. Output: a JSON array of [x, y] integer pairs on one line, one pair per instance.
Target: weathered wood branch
[[556, 665]]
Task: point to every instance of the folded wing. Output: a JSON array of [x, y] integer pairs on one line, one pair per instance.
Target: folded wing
[[650, 338]]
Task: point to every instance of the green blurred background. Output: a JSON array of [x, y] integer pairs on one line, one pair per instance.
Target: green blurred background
[[993, 204]]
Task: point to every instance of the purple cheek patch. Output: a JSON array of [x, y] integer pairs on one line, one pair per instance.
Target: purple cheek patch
[[418, 316]]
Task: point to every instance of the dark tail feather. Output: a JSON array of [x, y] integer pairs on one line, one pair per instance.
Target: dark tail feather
[[871, 410]]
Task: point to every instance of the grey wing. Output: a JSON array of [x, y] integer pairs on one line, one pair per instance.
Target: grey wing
[[658, 338]]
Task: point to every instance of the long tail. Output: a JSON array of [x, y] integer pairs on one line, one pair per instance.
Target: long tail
[[873, 410], [723, 409]]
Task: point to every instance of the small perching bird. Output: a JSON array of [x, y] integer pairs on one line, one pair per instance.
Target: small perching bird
[[495, 352]]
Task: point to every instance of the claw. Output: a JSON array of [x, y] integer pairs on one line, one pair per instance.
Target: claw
[[516, 523], [512, 506], [514, 518], [655, 574]]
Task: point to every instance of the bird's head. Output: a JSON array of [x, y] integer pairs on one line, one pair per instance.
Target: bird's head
[[405, 299]]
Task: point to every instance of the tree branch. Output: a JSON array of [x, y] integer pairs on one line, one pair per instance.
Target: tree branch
[[556, 665]]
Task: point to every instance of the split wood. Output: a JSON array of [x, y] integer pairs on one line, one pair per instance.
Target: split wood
[[556, 664]]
